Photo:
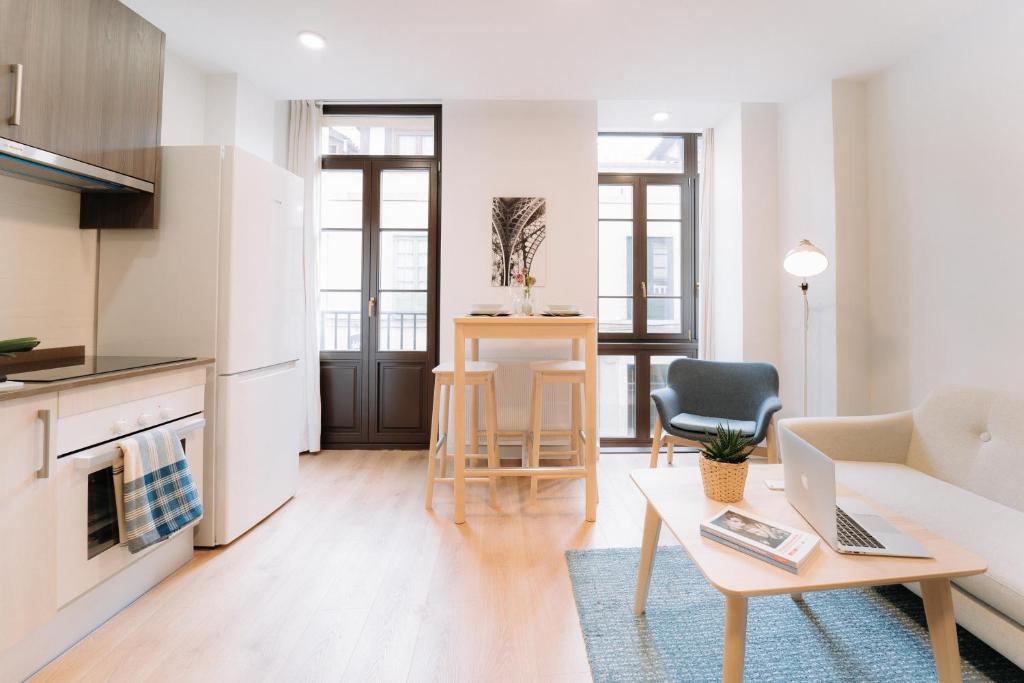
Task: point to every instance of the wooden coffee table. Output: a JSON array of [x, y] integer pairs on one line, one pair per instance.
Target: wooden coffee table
[[675, 497]]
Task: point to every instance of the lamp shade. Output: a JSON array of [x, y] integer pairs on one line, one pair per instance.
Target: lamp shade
[[805, 260]]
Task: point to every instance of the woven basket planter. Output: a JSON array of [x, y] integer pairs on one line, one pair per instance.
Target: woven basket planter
[[723, 481]]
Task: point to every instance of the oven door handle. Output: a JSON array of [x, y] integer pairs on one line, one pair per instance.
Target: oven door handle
[[104, 458]]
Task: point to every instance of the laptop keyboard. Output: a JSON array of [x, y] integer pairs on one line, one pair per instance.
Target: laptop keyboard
[[852, 534]]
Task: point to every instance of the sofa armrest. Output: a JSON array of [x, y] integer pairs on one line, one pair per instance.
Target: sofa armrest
[[666, 400], [875, 438]]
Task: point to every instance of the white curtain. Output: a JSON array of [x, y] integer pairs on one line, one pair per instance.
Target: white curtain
[[705, 314], [304, 161]]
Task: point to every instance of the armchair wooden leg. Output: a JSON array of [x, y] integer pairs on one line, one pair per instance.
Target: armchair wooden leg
[[656, 444], [668, 448], [773, 446]]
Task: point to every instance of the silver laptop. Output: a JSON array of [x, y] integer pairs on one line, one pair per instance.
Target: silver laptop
[[847, 524]]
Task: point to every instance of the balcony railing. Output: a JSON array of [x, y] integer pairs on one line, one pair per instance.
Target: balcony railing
[[397, 331]]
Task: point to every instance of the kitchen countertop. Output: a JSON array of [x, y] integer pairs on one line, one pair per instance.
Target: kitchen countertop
[[48, 388]]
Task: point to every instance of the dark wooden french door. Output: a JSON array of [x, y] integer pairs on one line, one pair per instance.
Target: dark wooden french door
[[378, 283]]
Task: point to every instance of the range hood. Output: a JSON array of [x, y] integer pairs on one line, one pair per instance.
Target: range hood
[[29, 163]]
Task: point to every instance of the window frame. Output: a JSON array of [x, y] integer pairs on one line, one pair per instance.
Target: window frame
[[641, 345]]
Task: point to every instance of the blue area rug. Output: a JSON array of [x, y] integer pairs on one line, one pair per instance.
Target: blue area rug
[[849, 635]]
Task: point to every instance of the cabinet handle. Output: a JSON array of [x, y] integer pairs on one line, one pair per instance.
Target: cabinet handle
[[643, 288], [46, 416], [15, 118]]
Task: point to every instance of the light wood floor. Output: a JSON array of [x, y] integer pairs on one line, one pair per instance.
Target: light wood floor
[[354, 581]]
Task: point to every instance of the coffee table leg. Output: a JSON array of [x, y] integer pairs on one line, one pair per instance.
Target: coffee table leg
[[652, 530], [938, 608], [735, 639]]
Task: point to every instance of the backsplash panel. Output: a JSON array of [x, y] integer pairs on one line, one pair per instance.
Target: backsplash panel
[[47, 266]]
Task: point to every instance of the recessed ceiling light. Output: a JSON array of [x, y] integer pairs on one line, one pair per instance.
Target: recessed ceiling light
[[660, 116], [314, 41]]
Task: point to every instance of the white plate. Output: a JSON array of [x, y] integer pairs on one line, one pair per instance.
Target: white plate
[[487, 308], [561, 308]]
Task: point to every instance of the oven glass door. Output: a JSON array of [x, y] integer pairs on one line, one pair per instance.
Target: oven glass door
[[101, 516]]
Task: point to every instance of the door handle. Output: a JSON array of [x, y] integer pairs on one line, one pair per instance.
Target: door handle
[[643, 288], [373, 306], [46, 416], [15, 118]]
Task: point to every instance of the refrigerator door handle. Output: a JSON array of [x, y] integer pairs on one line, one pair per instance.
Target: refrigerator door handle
[[265, 371]]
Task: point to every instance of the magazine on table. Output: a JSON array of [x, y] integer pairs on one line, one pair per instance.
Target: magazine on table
[[762, 538]]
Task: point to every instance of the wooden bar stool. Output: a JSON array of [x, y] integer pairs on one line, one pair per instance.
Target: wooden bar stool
[[573, 373], [478, 374]]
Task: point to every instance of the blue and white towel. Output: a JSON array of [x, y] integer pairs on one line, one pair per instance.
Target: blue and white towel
[[159, 494]]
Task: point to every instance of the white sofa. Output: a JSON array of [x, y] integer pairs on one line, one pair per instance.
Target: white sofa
[[956, 465]]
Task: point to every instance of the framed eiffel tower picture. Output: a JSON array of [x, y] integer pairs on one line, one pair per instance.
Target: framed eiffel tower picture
[[518, 229]]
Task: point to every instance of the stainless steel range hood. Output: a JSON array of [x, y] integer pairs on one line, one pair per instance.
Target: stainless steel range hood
[[29, 163]]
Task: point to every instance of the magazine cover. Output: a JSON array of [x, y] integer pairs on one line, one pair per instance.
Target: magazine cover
[[761, 535]]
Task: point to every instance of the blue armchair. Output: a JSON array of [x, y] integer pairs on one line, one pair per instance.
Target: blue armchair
[[701, 394]]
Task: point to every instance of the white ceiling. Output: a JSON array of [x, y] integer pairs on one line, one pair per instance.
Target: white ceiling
[[726, 50]]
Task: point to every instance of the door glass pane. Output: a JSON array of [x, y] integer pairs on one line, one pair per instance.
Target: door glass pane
[[615, 258], [615, 314], [616, 390], [403, 321], [399, 135], [404, 199], [639, 154], [340, 321], [403, 259], [615, 202], [664, 202], [659, 377], [663, 316], [341, 200], [341, 259], [664, 258]]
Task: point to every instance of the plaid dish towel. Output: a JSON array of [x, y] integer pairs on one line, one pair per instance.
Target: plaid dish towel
[[159, 494]]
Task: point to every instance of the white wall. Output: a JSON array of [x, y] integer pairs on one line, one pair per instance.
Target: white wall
[[946, 211], [184, 102], [849, 131], [48, 280], [517, 149], [760, 263], [727, 255], [806, 184], [221, 109], [744, 278]]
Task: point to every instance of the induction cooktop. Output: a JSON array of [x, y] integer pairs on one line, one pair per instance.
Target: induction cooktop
[[88, 366]]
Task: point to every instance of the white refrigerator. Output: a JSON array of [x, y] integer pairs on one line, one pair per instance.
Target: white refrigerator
[[221, 277]]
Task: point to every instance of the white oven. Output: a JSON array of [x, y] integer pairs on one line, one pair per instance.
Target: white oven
[[88, 546]]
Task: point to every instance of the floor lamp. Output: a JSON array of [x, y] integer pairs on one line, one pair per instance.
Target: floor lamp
[[805, 260]]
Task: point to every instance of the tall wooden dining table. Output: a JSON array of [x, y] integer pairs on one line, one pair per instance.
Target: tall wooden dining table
[[579, 330]]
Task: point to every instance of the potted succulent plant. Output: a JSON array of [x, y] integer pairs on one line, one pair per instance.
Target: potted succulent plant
[[723, 464]]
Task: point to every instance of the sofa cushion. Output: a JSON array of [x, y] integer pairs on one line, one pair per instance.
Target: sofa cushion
[[973, 438], [688, 422], [985, 527]]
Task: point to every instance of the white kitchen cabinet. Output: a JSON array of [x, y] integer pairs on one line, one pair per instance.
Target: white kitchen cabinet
[[28, 516]]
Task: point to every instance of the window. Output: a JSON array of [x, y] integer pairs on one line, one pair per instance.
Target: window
[[379, 209], [637, 153], [378, 135], [647, 272]]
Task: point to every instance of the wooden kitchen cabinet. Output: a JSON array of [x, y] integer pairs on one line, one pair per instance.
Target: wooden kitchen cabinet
[[91, 84], [28, 517]]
